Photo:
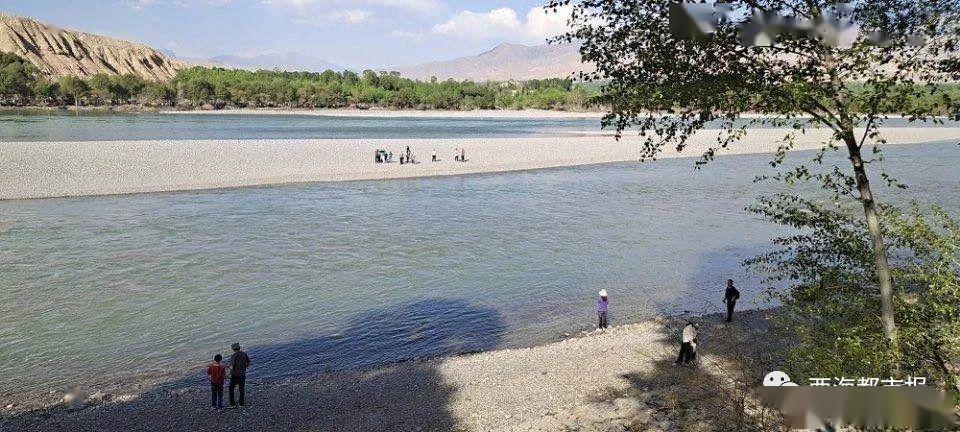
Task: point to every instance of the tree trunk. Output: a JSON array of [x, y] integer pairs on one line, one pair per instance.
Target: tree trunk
[[879, 248]]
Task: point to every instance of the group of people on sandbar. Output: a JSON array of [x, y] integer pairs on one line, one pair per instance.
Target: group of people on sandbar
[[383, 156], [407, 157], [688, 335], [386, 156], [237, 370]]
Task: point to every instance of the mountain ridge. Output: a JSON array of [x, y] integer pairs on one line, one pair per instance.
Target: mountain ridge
[[287, 61], [505, 61], [61, 52]]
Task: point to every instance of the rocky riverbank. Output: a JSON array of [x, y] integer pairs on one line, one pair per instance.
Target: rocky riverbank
[[620, 379]]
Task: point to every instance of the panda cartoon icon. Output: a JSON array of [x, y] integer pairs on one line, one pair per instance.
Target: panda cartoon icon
[[778, 379]]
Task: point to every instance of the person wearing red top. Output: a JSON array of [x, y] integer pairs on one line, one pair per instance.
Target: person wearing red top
[[216, 372]]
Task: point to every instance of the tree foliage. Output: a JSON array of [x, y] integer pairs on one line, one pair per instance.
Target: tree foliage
[[647, 71], [668, 85], [830, 301], [22, 84]]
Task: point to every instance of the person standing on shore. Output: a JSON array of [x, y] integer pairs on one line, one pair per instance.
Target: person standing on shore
[[463, 155], [730, 297], [688, 344], [456, 154], [603, 305], [434, 155], [239, 362], [216, 372]]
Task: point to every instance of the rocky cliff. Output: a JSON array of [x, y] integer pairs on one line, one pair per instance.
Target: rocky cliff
[[59, 52]]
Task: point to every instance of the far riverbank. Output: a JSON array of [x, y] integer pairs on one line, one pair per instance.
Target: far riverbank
[[325, 112]]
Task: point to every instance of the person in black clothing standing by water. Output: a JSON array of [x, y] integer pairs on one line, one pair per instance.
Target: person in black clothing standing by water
[[730, 297], [239, 362]]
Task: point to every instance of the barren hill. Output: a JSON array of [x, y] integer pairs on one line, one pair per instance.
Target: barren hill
[[59, 52], [505, 62]]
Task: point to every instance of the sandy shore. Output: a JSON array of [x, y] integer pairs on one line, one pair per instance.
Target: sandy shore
[[599, 381], [385, 113], [58, 169]]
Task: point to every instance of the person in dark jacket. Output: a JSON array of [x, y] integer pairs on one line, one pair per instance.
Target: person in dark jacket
[[730, 297], [239, 362]]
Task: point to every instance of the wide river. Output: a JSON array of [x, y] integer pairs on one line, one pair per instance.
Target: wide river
[[332, 276]]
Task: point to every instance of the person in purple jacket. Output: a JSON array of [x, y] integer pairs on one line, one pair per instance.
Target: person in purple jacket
[[603, 304]]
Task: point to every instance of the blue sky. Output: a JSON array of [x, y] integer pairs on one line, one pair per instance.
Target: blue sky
[[352, 33]]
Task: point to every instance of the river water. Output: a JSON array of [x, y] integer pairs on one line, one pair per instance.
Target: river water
[[338, 276]]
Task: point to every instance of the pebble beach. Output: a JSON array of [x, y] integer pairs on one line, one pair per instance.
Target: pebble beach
[[600, 380], [62, 169]]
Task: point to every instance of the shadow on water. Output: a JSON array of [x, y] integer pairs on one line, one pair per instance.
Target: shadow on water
[[404, 397]]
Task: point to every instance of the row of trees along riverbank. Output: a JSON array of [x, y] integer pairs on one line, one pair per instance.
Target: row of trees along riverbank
[[22, 84]]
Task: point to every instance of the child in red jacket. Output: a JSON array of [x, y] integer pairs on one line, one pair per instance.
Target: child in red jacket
[[216, 372]]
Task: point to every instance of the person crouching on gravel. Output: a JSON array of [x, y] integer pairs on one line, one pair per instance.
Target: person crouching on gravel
[[688, 344]]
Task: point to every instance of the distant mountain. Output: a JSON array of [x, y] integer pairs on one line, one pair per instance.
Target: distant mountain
[[59, 52], [505, 62], [289, 61]]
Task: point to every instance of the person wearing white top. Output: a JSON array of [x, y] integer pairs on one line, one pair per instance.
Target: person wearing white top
[[688, 344]]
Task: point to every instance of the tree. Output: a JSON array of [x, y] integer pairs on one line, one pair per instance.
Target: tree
[[158, 93], [101, 88], [648, 71], [73, 89], [127, 86], [198, 90], [46, 92], [18, 77], [827, 260]]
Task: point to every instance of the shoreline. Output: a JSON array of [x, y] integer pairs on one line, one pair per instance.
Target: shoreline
[[318, 112], [31, 170], [541, 387], [524, 114], [390, 113]]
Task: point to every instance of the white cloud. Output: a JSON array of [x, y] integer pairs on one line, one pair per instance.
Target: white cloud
[[505, 24], [401, 34], [141, 4], [137, 4], [545, 24], [419, 6], [320, 12], [349, 16], [473, 25]]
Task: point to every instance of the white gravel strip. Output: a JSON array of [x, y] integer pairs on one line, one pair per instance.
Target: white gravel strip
[[57, 169]]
